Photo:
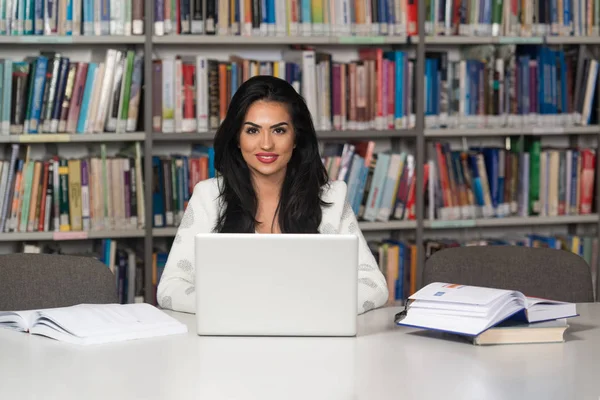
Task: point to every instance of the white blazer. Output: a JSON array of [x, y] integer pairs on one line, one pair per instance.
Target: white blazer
[[176, 289]]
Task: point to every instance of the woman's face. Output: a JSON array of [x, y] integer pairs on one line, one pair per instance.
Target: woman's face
[[267, 139]]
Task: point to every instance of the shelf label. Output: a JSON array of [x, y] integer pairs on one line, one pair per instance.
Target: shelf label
[[362, 39], [46, 39], [45, 138], [520, 40], [461, 223], [75, 235]]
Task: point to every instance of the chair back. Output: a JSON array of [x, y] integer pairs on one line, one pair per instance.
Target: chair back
[[537, 272], [34, 281]]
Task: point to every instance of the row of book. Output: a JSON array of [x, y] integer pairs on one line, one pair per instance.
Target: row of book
[[102, 192], [374, 92], [381, 186], [487, 86], [511, 18], [530, 86], [527, 180], [124, 263], [376, 17], [397, 258], [174, 180], [50, 93], [479, 182], [510, 86], [57, 194], [286, 17], [71, 17]]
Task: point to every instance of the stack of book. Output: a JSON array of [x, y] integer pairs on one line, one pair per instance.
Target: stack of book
[[487, 315]]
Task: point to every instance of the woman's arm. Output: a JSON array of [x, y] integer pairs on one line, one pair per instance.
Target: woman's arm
[[372, 287], [176, 289]]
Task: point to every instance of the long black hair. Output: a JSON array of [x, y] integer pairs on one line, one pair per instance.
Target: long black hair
[[299, 209]]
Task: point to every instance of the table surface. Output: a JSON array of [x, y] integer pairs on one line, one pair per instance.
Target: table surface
[[383, 362]]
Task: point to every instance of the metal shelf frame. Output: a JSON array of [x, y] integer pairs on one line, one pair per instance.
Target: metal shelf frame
[[419, 134]]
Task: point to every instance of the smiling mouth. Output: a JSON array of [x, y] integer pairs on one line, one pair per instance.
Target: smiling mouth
[[267, 158]]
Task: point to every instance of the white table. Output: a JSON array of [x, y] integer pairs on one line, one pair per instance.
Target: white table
[[383, 362]]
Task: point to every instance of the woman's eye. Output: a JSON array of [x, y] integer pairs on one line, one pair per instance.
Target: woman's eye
[[279, 130], [251, 131]]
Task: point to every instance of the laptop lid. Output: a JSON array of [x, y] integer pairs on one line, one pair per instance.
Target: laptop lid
[[276, 284]]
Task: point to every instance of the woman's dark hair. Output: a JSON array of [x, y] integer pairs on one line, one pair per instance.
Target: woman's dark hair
[[299, 209]]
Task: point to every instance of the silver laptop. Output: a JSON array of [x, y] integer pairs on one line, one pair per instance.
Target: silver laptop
[[276, 284]]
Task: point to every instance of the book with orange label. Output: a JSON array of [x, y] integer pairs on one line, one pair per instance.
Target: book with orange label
[[471, 310]]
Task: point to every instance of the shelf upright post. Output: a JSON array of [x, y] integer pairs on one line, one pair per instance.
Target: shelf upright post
[[420, 142], [148, 240]]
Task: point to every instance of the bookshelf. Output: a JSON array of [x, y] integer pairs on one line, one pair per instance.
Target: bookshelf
[[36, 40], [420, 135]]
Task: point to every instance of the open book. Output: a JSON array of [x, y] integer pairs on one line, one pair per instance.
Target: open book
[[470, 310], [94, 323]]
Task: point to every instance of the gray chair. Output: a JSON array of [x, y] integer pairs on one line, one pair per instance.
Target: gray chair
[[33, 281], [538, 272]]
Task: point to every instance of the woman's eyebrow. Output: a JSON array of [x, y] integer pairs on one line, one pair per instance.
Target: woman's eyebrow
[[272, 126]]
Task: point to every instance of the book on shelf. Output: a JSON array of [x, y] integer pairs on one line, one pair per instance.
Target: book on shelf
[[532, 87], [92, 324], [397, 261], [511, 18], [373, 92], [52, 93], [286, 17], [175, 177], [381, 185], [72, 18], [485, 18], [57, 194], [522, 180], [159, 262], [471, 310], [122, 261]]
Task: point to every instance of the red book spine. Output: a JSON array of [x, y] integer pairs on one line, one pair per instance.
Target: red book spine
[[411, 17], [189, 107], [588, 167]]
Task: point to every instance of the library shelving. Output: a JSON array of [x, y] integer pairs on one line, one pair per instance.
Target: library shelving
[[406, 36], [70, 40], [503, 131], [231, 40], [75, 138]]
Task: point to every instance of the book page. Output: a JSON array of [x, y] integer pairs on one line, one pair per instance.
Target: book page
[[460, 324], [531, 301], [19, 320], [88, 320], [453, 293], [543, 310]]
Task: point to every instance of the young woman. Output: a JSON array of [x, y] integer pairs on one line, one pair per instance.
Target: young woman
[[271, 180]]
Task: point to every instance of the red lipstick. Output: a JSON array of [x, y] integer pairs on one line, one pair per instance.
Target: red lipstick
[[267, 158]]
